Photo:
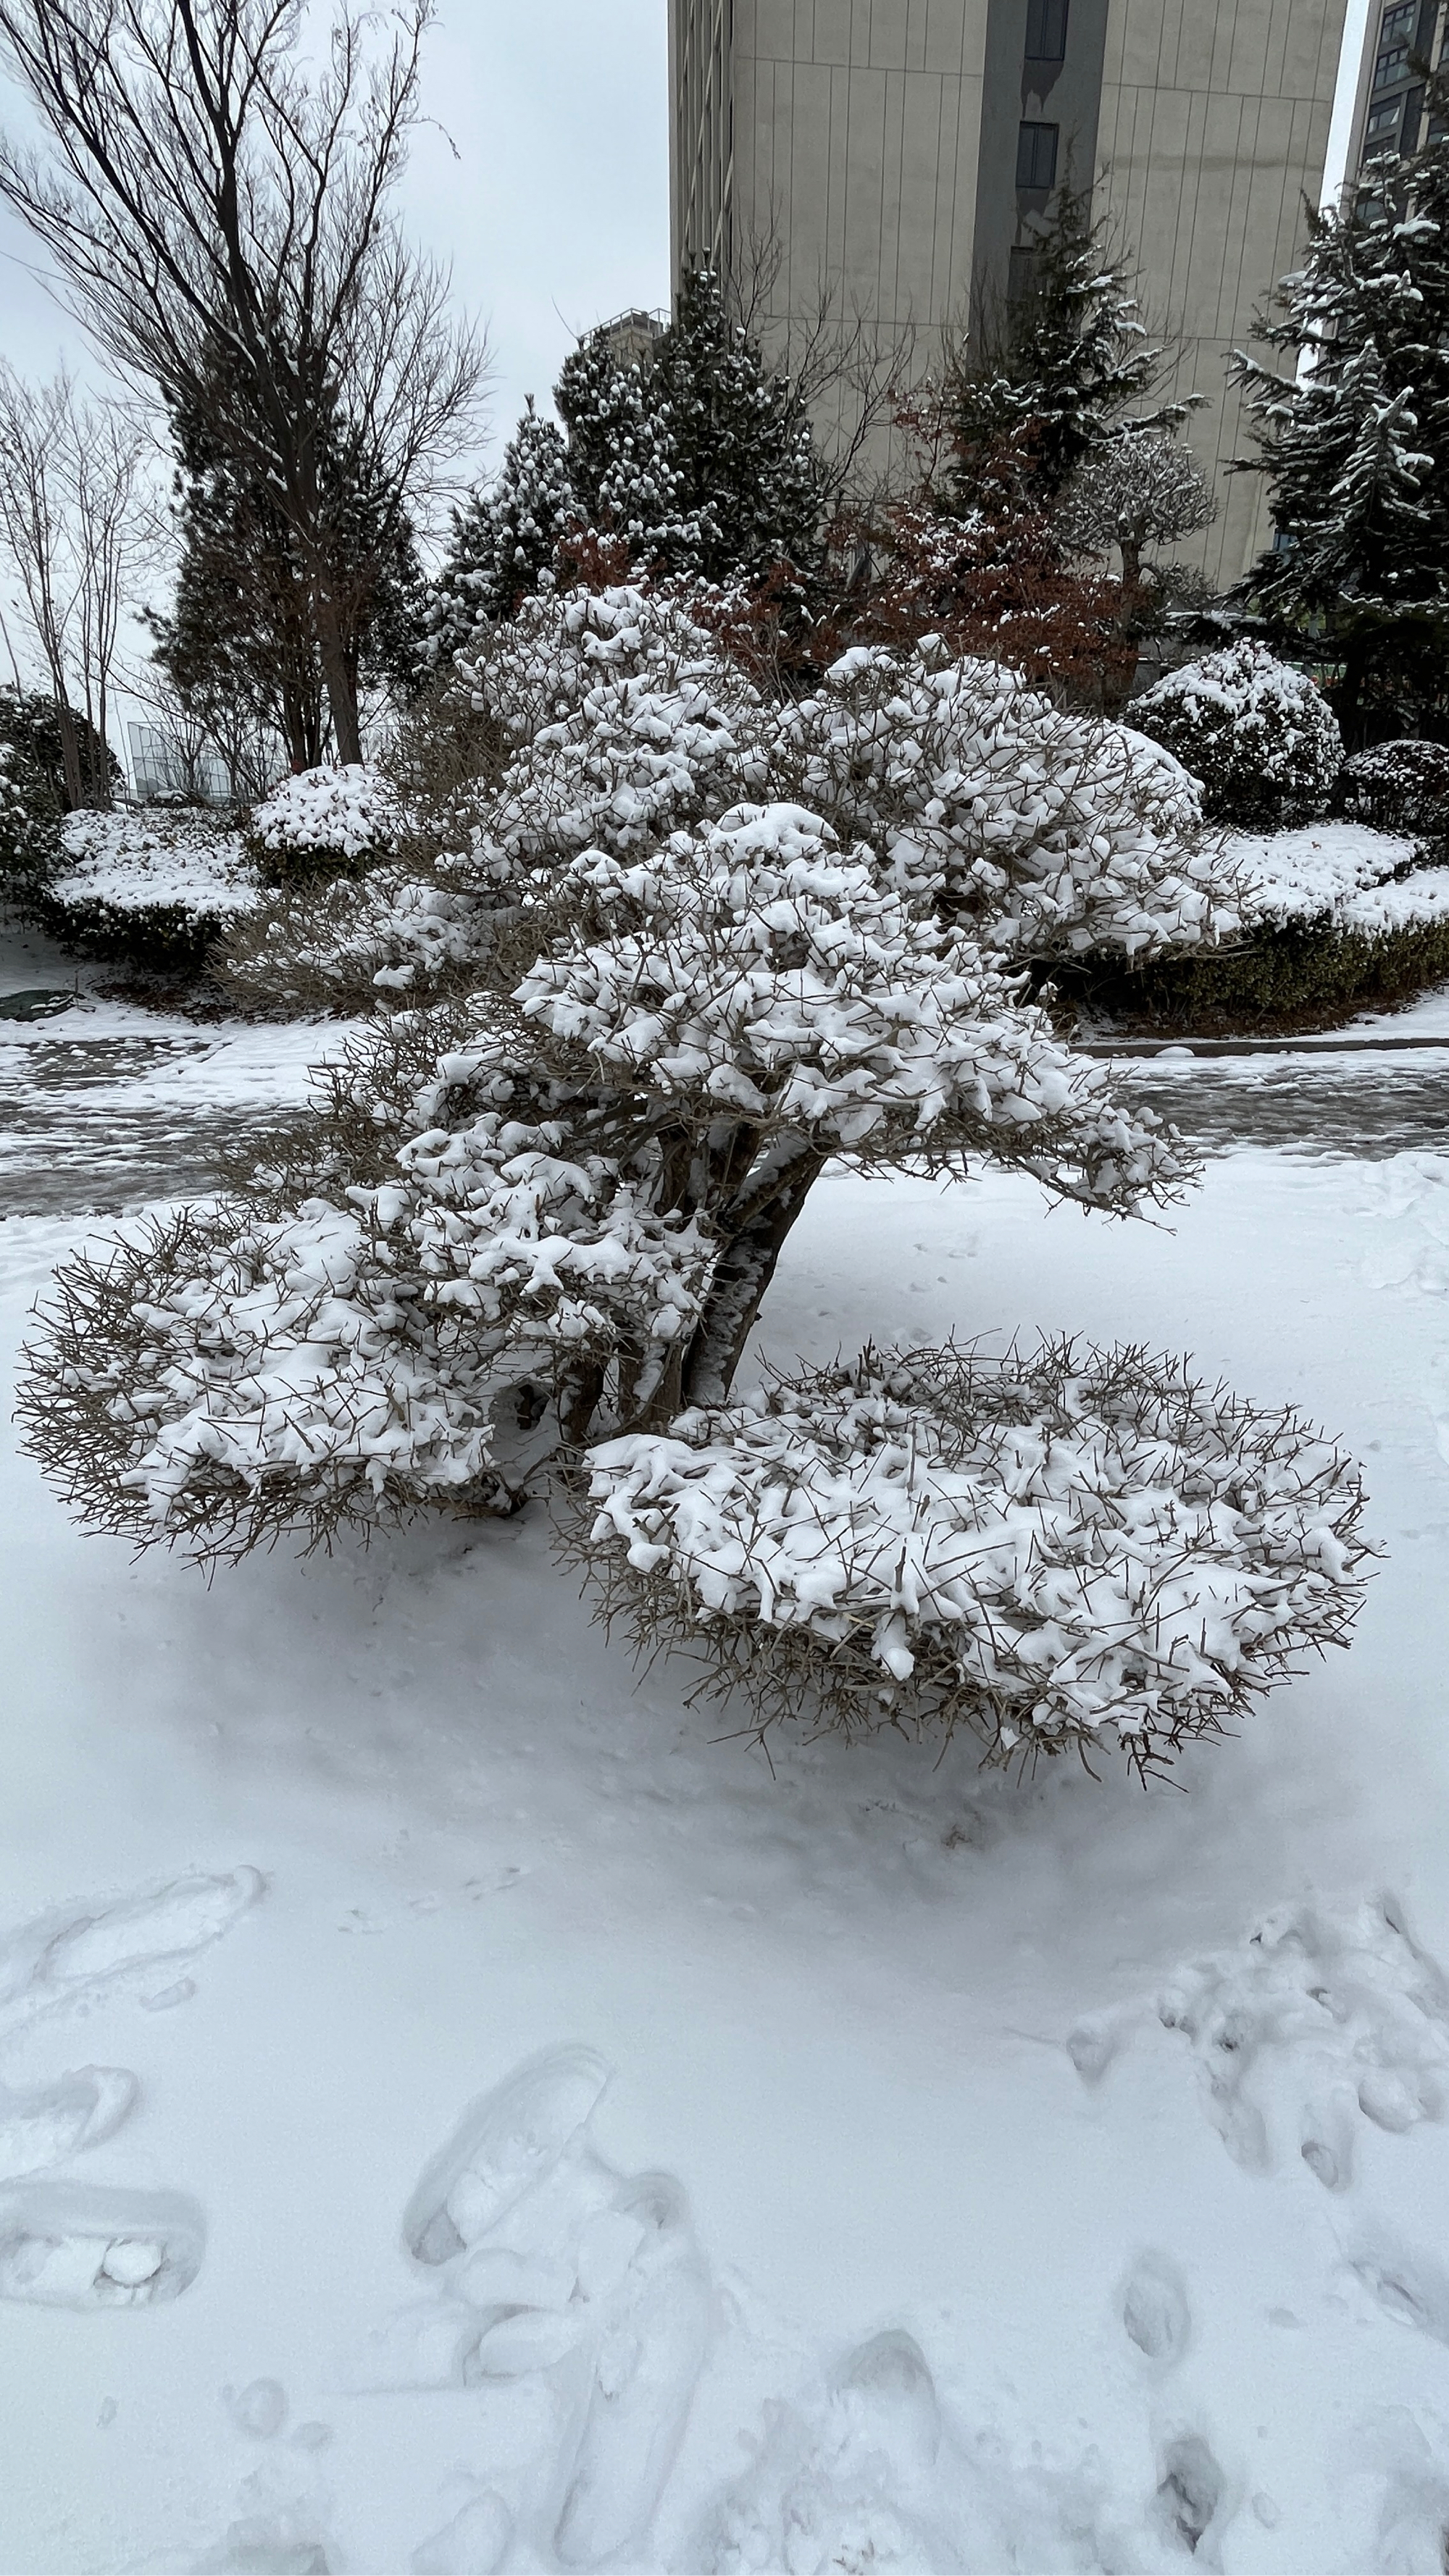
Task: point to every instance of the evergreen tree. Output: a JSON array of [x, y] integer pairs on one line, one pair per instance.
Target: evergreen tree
[[621, 459], [504, 538], [749, 474], [1352, 426], [1063, 370], [243, 628]]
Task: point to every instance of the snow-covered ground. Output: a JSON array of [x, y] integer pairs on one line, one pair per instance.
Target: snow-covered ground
[[1044, 2176]]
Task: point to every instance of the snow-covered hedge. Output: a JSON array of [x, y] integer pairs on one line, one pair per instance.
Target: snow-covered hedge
[[325, 821], [1400, 787], [152, 885], [1335, 916], [1069, 1548], [1341, 877], [1259, 735]]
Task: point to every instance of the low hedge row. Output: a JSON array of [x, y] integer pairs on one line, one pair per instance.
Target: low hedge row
[[169, 938], [1287, 979]]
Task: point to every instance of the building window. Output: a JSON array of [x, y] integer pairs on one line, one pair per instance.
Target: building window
[[1021, 274], [1391, 66], [1381, 120], [1046, 31], [1398, 26], [1036, 156]]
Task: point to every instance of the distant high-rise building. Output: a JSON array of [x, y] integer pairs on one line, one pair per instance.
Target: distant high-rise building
[[898, 157], [1401, 36]]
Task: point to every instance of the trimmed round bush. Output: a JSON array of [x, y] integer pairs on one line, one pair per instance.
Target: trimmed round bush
[[1064, 1549], [1399, 787], [1258, 735], [324, 822]]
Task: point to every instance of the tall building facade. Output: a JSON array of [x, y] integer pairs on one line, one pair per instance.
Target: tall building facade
[[1400, 38], [896, 158]]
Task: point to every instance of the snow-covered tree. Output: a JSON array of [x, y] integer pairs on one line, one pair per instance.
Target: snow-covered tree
[[739, 438], [1351, 416], [621, 459], [505, 537], [1260, 736], [1140, 491], [538, 1221], [1066, 367]]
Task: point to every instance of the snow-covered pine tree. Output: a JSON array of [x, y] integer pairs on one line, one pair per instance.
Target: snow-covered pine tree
[[537, 1223], [504, 538], [1351, 419], [1058, 370], [621, 459], [739, 438]]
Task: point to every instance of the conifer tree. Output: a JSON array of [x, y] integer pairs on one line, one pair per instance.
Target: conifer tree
[[621, 458], [1061, 372], [1351, 419], [504, 537], [741, 443]]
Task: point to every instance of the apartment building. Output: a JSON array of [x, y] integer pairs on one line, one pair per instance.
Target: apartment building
[[899, 156]]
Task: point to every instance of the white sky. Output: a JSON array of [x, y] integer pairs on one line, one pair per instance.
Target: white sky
[[542, 174]]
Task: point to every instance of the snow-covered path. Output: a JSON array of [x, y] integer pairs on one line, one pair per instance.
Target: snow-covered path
[[1024, 2209]]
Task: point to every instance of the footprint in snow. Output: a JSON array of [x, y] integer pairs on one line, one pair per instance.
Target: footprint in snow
[[1155, 2311], [63, 2244], [66, 2245], [70, 1956], [1320, 2020], [1188, 2507], [39, 2128], [1407, 2285], [548, 2261]]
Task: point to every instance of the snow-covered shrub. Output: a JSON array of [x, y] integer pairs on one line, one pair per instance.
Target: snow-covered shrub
[[1051, 835], [1399, 787], [550, 1207], [325, 822], [591, 1178], [1334, 916], [344, 944], [939, 1538], [1260, 737], [154, 886], [610, 719]]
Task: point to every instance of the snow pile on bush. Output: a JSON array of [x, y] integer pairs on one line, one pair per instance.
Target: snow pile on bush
[[1400, 787], [157, 886], [1258, 735], [345, 943], [1060, 1550], [1340, 877], [1049, 834], [756, 969], [241, 1376], [326, 819], [626, 720]]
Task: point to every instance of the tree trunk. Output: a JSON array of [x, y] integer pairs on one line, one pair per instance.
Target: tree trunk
[[69, 753], [742, 1275], [341, 680]]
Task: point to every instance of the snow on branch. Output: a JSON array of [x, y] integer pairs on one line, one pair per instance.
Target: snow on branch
[[1064, 1549]]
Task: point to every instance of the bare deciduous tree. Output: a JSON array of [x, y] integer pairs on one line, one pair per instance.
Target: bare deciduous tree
[[71, 526], [223, 222], [1146, 489]]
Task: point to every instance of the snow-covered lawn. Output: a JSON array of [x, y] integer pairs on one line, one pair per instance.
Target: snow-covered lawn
[[1125, 2108]]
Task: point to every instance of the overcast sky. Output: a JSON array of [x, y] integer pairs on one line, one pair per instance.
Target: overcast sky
[[541, 172]]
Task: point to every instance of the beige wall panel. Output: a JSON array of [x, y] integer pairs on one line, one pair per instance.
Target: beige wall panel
[[888, 35]]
